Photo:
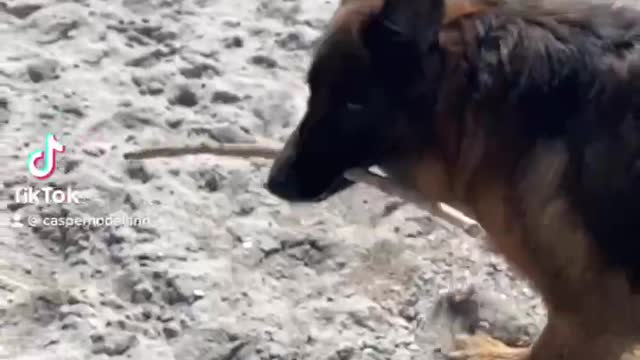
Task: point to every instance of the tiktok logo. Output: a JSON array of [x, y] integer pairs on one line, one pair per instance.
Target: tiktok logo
[[42, 163]]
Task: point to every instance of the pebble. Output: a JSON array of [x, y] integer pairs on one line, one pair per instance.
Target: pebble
[[137, 171], [184, 96], [225, 97], [264, 61], [141, 293], [171, 330], [113, 343], [43, 70]]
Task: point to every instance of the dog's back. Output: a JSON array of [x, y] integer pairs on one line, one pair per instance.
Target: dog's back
[[569, 72]]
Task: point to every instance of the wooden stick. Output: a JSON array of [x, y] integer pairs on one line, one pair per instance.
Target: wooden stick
[[238, 150], [382, 183], [441, 210]]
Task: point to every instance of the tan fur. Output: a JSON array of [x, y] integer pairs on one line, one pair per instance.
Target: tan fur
[[353, 15], [458, 8], [592, 314]]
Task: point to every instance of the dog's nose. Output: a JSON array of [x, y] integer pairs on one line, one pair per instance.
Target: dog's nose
[[284, 187]]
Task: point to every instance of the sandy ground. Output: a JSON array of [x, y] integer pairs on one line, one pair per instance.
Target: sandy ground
[[222, 269]]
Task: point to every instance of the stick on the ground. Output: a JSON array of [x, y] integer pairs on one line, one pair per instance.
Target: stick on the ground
[[382, 183], [237, 150]]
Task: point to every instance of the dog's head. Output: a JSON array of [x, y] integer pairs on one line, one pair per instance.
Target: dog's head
[[379, 63]]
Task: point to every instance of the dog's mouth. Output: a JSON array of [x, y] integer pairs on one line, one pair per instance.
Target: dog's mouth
[[351, 177], [338, 185]]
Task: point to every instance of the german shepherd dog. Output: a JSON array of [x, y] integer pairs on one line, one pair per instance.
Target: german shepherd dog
[[527, 114]]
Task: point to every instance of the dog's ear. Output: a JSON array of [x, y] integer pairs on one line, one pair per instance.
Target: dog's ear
[[419, 21], [412, 22]]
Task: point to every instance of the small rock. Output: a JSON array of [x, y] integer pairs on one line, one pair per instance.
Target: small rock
[[43, 70], [232, 23], [212, 343], [370, 353], [114, 236], [93, 150], [70, 106], [225, 97], [345, 352], [137, 171], [147, 313], [70, 165], [472, 310], [198, 294], [275, 351], [269, 245], [125, 103], [263, 61], [199, 71], [97, 338], [5, 115], [71, 323], [212, 183], [233, 42], [257, 232], [174, 123], [208, 177], [408, 313], [149, 59], [171, 330], [286, 11], [21, 11], [113, 302], [181, 289], [18, 180], [245, 204], [46, 306], [155, 88], [155, 33], [57, 22], [113, 344], [141, 293], [293, 41], [184, 97]]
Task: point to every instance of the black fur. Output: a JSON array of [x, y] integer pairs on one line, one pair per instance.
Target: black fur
[[575, 79]]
